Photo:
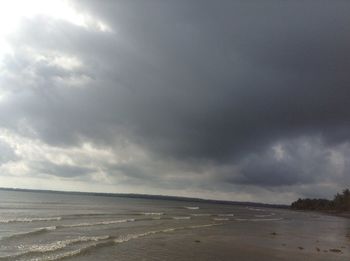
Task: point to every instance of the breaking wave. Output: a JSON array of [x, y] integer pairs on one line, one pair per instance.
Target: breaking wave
[[258, 219], [48, 250], [30, 219], [152, 213], [98, 223], [52, 247], [256, 209], [192, 208], [181, 217], [30, 233], [263, 216]]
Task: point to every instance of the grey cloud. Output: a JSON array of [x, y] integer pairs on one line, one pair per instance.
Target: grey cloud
[[60, 170], [293, 162], [201, 83], [6, 153]]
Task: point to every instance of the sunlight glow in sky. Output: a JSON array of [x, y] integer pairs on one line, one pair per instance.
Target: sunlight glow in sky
[[15, 12]]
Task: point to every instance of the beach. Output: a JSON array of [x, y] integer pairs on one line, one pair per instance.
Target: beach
[[51, 226]]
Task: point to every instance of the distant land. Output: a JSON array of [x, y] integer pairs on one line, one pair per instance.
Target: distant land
[[154, 197], [340, 205]]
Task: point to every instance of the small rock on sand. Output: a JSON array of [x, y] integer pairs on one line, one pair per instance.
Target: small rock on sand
[[335, 250]]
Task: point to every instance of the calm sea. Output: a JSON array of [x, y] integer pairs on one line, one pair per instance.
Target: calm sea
[[49, 226]]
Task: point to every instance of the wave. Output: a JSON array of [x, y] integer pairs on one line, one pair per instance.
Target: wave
[[201, 215], [266, 219], [181, 217], [205, 225], [30, 219], [121, 239], [52, 247], [30, 233], [256, 209], [152, 213], [221, 219], [258, 219], [225, 215], [262, 216], [106, 242], [48, 229], [98, 223], [129, 237], [192, 208], [98, 241], [91, 214], [77, 252]]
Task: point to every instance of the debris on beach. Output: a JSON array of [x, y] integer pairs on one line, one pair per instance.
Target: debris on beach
[[335, 250]]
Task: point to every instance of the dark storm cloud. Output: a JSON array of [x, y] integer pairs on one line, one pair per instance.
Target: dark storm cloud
[[194, 81], [215, 80], [294, 162]]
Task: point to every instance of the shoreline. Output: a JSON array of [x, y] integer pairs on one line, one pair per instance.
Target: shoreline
[[343, 214]]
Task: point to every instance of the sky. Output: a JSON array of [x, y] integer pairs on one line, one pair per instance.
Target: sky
[[234, 100]]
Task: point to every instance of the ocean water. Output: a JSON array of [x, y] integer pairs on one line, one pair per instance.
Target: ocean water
[[50, 226]]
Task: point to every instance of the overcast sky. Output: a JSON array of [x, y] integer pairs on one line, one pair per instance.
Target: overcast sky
[[237, 100]]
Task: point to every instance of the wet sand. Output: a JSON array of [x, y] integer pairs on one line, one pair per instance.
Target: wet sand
[[215, 244]]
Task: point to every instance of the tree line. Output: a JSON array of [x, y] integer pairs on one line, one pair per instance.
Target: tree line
[[340, 202]]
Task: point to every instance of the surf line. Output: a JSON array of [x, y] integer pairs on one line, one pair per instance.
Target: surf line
[[110, 241]]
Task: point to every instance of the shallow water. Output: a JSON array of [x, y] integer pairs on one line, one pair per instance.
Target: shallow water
[[49, 226]]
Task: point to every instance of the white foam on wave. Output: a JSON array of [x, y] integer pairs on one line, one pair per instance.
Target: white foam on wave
[[258, 219], [178, 218], [108, 222], [205, 225], [64, 243], [32, 232], [201, 215], [99, 241], [152, 213], [52, 247], [30, 219], [266, 219], [72, 253], [192, 208], [221, 219], [129, 237], [256, 209]]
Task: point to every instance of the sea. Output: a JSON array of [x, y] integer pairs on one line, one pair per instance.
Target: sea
[[62, 226]]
